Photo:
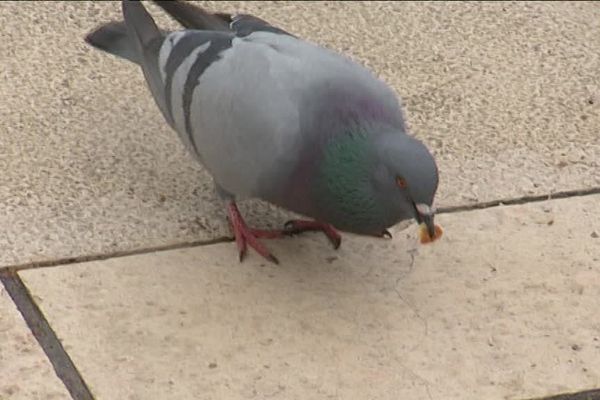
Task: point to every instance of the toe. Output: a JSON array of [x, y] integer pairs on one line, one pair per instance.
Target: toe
[[336, 241]]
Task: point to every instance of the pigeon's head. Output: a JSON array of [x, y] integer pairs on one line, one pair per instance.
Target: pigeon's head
[[368, 183], [405, 179]]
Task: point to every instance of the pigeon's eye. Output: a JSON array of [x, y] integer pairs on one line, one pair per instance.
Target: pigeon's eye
[[401, 182]]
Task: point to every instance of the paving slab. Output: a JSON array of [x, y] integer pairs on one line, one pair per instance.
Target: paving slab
[[506, 95], [504, 306], [25, 372]]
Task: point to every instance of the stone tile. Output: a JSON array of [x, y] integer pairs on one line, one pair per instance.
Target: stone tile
[[505, 305], [506, 95], [25, 372]]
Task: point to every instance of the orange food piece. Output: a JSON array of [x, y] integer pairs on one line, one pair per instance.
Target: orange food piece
[[424, 236]]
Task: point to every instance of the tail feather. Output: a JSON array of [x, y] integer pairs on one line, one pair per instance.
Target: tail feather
[[194, 17], [141, 25], [114, 39], [147, 39]]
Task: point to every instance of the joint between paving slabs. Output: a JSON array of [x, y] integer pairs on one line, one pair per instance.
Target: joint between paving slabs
[[593, 394], [175, 246], [223, 239], [117, 254], [520, 200], [45, 335]]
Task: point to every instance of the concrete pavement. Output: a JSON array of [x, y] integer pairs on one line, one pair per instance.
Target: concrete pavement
[[504, 306]]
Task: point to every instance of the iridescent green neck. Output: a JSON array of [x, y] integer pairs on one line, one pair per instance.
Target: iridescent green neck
[[344, 192]]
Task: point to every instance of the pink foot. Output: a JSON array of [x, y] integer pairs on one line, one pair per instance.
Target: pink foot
[[245, 236], [298, 226]]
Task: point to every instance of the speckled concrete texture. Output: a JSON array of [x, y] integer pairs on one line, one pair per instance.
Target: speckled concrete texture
[[506, 94], [25, 372], [505, 306]]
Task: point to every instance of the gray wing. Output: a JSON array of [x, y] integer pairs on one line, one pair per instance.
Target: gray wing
[[173, 62], [256, 108], [242, 95], [269, 99]]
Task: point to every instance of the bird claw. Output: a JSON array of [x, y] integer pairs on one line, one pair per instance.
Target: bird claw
[[245, 236], [249, 239], [272, 258], [386, 234], [289, 227]]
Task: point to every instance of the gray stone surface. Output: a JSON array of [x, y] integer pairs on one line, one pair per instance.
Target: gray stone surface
[[506, 95], [504, 306]]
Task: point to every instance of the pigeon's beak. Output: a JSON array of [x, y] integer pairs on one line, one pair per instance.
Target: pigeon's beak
[[425, 216]]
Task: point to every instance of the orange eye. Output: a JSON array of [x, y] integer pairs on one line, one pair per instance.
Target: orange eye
[[401, 182]]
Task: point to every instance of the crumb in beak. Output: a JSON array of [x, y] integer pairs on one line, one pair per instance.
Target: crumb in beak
[[424, 236]]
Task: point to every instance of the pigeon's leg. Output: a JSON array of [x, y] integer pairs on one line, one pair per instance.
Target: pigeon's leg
[[298, 226], [245, 236]]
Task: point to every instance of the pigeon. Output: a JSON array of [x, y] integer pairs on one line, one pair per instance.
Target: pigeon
[[275, 117]]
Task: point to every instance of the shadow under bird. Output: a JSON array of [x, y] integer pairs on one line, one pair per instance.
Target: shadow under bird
[[274, 117]]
